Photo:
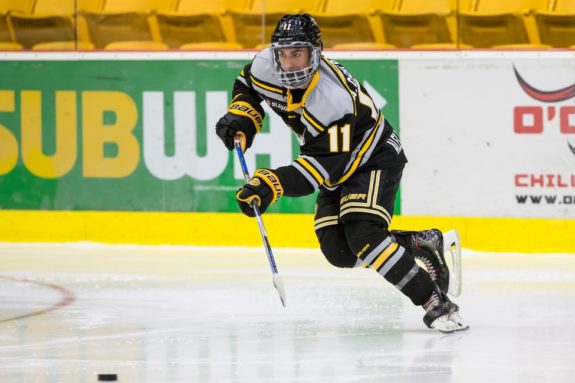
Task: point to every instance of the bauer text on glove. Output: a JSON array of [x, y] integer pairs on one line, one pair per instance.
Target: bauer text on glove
[[241, 118]]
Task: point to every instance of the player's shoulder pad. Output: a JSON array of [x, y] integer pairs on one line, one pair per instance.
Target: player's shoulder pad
[[262, 67], [330, 100]]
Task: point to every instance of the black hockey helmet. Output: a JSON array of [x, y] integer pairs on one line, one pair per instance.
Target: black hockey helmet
[[297, 28], [296, 31]]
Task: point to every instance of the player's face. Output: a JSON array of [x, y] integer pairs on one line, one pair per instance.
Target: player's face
[[293, 59]]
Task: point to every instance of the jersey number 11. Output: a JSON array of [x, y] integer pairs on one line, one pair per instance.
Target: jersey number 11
[[334, 142]]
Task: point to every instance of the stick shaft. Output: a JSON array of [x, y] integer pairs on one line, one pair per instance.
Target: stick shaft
[[277, 281]]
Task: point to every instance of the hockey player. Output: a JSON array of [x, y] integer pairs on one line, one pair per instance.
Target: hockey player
[[350, 152]]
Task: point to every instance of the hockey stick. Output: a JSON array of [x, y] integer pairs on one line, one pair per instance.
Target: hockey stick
[[278, 282]]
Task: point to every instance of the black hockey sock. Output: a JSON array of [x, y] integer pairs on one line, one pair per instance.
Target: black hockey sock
[[397, 265]]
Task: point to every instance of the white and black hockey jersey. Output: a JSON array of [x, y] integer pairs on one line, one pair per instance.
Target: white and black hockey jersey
[[337, 123]]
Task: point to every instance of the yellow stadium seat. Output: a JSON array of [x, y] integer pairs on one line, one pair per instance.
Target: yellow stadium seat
[[211, 6], [562, 6], [521, 46], [442, 7], [11, 6], [345, 29], [404, 31], [23, 6], [505, 6], [487, 23], [539, 5], [251, 29], [60, 7], [106, 28], [64, 46], [498, 6], [286, 6], [261, 46], [139, 6], [211, 46], [4, 46], [556, 25], [124, 21], [196, 22], [136, 46], [31, 29], [255, 26], [49, 21], [414, 22], [179, 29], [5, 33], [342, 24], [51, 24], [440, 46], [487, 30], [90, 5], [54, 7], [339, 7]]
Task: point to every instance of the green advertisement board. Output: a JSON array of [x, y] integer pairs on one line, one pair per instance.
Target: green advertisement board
[[138, 135]]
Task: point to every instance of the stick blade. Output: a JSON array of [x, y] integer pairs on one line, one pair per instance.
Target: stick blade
[[279, 285]]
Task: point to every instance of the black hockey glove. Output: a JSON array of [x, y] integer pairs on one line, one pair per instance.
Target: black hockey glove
[[230, 125], [264, 188], [241, 118]]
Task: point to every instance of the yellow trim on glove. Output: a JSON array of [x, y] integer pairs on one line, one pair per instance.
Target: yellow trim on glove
[[250, 199], [272, 180], [241, 135], [244, 109]]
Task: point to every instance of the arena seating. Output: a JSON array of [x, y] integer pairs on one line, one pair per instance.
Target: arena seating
[[7, 41], [122, 21], [412, 22], [247, 24], [192, 24], [498, 24], [253, 26], [556, 24], [343, 28]]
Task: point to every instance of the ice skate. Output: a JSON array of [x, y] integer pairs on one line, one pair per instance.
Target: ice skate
[[442, 314], [431, 254]]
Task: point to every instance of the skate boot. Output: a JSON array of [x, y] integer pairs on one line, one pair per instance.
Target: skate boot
[[428, 246], [429, 250], [442, 314]]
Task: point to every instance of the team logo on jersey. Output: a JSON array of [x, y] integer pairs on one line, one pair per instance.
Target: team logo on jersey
[[277, 105]]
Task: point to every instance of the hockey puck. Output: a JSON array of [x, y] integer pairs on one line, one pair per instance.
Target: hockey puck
[[107, 377]]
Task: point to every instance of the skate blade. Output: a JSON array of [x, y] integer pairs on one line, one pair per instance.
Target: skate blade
[[449, 324], [452, 246]]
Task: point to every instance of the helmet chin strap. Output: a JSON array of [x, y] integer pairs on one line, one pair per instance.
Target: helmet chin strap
[[299, 86]]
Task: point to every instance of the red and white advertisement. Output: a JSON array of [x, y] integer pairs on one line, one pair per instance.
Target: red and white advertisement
[[489, 137]]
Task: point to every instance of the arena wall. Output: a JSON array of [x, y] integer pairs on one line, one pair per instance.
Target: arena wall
[[119, 148]]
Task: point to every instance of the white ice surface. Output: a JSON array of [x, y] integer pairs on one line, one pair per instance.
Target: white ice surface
[[182, 314]]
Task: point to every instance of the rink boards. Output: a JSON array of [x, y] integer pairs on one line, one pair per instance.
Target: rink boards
[[284, 230]]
